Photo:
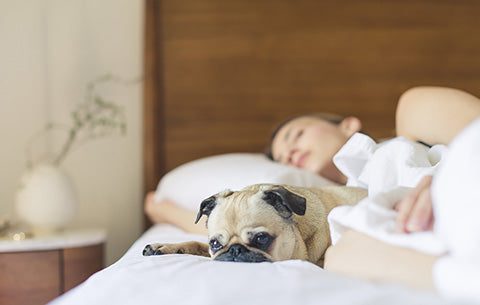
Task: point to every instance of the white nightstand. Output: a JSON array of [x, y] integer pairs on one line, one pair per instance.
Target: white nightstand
[[36, 270]]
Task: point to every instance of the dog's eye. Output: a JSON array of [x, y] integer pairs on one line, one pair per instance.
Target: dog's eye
[[215, 245], [261, 238], [262, 241]]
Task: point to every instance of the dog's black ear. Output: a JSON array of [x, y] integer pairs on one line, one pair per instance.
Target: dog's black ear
[[206, 207], [285, 202]]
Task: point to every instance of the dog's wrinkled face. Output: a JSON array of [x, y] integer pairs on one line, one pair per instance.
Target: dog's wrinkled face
[[255, 224]]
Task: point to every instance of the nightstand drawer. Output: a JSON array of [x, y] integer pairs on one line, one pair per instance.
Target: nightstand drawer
[[80, 263], [40, 275], [29, 277]]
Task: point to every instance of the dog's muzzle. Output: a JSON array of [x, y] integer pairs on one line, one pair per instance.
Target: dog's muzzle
[[239, 253]]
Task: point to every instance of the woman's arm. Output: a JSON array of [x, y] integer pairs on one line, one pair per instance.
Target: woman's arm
[[358, 255], [435, 115], [168, 212]]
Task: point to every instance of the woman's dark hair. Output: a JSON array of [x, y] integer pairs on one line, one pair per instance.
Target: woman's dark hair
[[329, 117]]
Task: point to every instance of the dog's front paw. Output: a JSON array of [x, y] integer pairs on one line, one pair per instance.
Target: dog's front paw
[[151, 250], [159, 249]]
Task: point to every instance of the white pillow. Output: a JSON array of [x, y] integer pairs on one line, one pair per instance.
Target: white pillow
[[189, 184]]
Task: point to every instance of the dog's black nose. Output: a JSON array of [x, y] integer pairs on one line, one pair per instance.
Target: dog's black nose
[[237, 249], [240, 253]]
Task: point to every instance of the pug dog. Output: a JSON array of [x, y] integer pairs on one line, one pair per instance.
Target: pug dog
[[266, 223]]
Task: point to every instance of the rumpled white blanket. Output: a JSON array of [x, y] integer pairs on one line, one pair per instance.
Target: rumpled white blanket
[[388, 170]]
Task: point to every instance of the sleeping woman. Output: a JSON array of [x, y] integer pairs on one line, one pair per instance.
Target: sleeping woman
[[431, 115]]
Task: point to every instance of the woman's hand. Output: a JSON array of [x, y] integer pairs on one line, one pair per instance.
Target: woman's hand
[[415, 211], [157, 211], [166, 211]]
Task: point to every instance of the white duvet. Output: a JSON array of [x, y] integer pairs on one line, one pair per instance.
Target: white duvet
[[187, 279]]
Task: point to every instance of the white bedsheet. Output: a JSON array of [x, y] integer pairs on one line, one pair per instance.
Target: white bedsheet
[[187, 279]]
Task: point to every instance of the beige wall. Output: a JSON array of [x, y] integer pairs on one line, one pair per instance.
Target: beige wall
[[49, 50]]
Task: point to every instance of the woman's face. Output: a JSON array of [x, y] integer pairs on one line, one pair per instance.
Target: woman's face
[[310, 143]]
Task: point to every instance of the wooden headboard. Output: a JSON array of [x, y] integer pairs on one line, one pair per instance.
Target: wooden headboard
[[219, 74]]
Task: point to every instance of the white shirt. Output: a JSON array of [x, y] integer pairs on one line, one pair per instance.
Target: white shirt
[[388, 165], [389, 171]]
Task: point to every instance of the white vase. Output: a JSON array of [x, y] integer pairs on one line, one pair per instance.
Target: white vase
[[46, 199]]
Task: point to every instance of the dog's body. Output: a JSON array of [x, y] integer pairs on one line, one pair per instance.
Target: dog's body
[[266, 222]]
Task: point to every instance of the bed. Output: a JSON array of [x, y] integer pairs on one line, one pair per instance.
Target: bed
[[219, 74]]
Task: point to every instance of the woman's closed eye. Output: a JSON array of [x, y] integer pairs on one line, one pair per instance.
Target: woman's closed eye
[[298, 134], [288, 156], [293, 149], [289, 143]]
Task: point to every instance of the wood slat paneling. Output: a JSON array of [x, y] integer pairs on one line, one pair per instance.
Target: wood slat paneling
[[233, 69], [153, 131]]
